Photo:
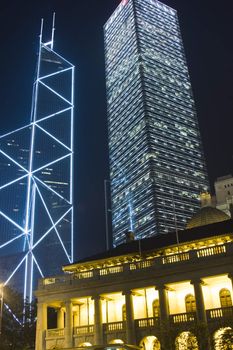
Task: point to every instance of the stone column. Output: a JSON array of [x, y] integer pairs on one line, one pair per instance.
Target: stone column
[[69, 325], [164, 317], [130, 329], [75, 313], [98, 323], [41, 326], [60, 318], [200, 305], [163, 303], [202, 326]]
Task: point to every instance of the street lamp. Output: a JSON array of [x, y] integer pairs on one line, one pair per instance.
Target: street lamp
[[1, 306]]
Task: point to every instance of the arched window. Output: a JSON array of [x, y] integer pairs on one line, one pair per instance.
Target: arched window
[[124, 312], [225, 297], [155, 308], [190, 303]]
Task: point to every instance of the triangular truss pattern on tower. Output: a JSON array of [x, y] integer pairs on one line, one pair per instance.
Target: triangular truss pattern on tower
[[36, 194]]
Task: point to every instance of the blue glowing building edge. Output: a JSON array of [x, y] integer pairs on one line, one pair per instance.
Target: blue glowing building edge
[[36, 188]]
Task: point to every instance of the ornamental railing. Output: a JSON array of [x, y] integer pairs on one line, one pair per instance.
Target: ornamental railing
[[183, 318], [55, 333], [219, 313], [147, 322], [82, 275], [114, 326], [175, 258], [141, 264], [83, 330], [218, 249], [111, 270], [133, 267]]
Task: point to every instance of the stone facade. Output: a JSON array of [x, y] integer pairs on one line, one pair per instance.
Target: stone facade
[[224, 194], [153, 298]]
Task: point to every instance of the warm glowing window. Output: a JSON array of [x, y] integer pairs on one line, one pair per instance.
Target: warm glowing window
[[155, 306], [190, 303], [225, 297]]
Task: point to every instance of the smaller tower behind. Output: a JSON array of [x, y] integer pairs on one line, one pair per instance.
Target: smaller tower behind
[[224, 193]]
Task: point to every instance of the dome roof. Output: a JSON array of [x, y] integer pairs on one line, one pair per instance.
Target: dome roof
[[205, 216]]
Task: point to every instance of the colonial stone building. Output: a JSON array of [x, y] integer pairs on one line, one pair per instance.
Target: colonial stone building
[[167, 292], [224, 193]]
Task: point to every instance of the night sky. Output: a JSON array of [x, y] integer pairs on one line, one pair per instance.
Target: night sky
[[206, 27]]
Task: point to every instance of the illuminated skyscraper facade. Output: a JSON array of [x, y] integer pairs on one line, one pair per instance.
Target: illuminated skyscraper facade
[[36, 162], [157, 166]]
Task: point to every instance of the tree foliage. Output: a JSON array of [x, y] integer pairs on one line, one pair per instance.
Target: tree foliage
[[18, 322], [186, 341], [224, 339]]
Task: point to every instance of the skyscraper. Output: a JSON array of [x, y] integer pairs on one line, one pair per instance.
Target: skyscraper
[[157, 167], [36, 200]]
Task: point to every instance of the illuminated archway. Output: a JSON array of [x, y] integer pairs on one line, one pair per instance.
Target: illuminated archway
[[186, 341], [84, 345], [116, 341], [223, 339], [150, 343]]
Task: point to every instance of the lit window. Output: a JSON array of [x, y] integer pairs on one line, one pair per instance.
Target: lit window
[[155, 307], [190, 303], [225, 298]]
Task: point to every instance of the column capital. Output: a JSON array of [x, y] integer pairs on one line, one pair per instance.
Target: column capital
[[40, 303], [127, 292], [96, 297], [161, 286], [197, 281]]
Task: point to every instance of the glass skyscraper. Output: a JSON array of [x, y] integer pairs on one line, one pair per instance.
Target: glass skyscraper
[[157, 166], [36, 182]]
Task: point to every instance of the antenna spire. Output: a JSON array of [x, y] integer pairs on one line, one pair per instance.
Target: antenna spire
[[53, 30], [41, 29]]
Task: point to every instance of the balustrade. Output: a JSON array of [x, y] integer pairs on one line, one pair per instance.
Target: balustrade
[[83, 330], [111, 270], [212, 315], [183, 318], [205, 252], [82, 275], [114, 326], [55, 333], [170, 259], [147, 322], [141, 264], [135, 266], [225, 312]]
